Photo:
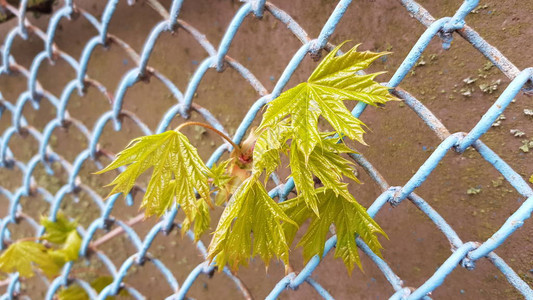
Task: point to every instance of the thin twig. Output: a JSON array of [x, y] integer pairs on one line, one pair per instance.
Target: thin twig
[[117, 231], [5, 282], [206, 126], [244, 289], [159, 8]]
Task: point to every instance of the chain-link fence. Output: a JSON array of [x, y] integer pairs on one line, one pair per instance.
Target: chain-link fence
[[464, 254]]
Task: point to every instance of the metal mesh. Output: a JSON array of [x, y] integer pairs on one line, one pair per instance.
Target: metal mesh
[[464, 254]]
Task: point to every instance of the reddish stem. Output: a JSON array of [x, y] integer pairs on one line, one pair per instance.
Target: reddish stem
[[206, 126]]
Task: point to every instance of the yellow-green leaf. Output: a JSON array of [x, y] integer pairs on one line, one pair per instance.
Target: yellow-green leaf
[[326, 163], [21, 256], [303, 178], [219, 174], [271, 142], [281, 107], [223, 181], [342, 66], [334, 81], [250, 212], [70, 249], [72, 292], [101, 282], [63, 233], [349, 219], [76, 292], [57, 232], [179, 174], [140, 149]]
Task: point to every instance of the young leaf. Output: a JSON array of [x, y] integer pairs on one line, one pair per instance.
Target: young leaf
[[20, 256], [62, 232], [225, 182], [72, 292], [349, 219], [272, 141], [300, 103], [219, 174], [76, 292], [57, 232], [332, 82], [200, 216], [101, 282], [178, 173], [250, 210], [69, 250], [140, 154], [343, 66], [326, 164], [303, 178]]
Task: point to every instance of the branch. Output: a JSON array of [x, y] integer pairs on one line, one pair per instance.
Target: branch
[[117, 231]]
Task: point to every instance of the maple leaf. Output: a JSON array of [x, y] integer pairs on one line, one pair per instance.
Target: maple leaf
[[72, 292], [334, 81], [69, 250], [178, 174], [349, 218], [271, 142], [250, 210], [76, 292], [224, 182], [326, 163], [303, 178], [219, 174], [63, 233], [57, 231], [20, 256]]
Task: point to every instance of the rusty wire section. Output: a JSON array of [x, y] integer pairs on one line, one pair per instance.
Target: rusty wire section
[[463, 253]]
